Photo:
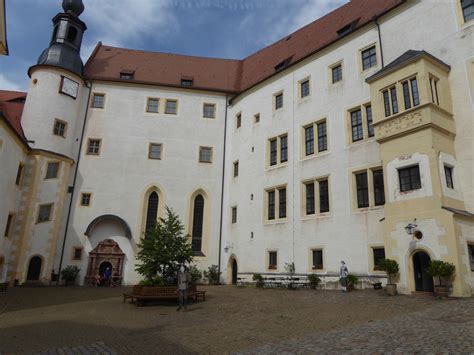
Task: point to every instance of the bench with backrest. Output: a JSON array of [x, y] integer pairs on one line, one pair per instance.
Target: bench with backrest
[[131, 295], [140, 294], [194, 293]]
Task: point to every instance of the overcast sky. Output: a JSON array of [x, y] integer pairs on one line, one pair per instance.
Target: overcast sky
[[213, 28]]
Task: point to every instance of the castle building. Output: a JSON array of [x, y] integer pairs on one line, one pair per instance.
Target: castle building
[[349, 139]]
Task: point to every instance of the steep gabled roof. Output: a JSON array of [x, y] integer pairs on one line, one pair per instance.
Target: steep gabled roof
[[11, 108], [235, 76]]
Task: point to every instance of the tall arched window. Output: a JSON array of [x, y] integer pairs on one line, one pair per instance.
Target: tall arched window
[[151, 212], [198, 218]]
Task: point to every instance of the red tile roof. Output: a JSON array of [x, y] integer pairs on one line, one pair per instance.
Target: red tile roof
[[233, 76], [11, 108]]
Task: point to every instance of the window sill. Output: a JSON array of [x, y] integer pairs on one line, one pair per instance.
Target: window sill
[[362, 141], [198, 253], [272, 268], [303, 100], [277, 166], [368, 209], [316, 216], [315, 155], [275, 221]]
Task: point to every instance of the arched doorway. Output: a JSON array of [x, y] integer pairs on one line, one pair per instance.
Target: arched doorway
[[34, 269], [423, 281], [234, 272], [103, 266]]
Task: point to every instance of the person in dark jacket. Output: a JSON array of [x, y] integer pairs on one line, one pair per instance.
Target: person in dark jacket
[[343, 273], [183, 283]]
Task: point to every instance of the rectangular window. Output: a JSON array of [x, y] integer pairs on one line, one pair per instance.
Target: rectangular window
[[154, 151], [467, 9], [409, 178], [448, 171], [414, 92], [337, 73], [209, 111], [86, 199], [126, 76], [393, 96], [362, 190], [171, 107], [278, 101], [273, 151], [152, 105], [52, 170], [187, 82], [93, 147], [386, 103], [59, 128], [379, 255], [19, 175], [98, 100], [356, 125], [323, 196], [406, 95], [238, 120], [283, 148], [470, 249], [77, 254], [234, 214], [9, 225], [44, 213], [322, 137], [379, 193], [205, 154], [309, 140], [310, 203], [271, 205], [256, 118], [369, 58], [370, 126], [272, 260], [317, 259], [434, 90], [236, 168], [304, 87], [282, 203]]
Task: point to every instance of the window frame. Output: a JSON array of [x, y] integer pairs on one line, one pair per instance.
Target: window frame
[[376, 259], [201, 148], [449, 175], [256, 118], [56, 122], [166, 111], [277, 154], [370, 47], [74, 253], [48, 164], [470, 245], [315, 209], [463, 14], [89, 140], [153, 144], [315, 266], [9, 226], [330, 77], [51, 211], [276, 101], [82, 199], [271, 266], [236, 168], [304, 89], [411, 183], [233, 214], [238, 120], [20, 174], [93, 102], [276, 209], [148, 100], [208, 104]]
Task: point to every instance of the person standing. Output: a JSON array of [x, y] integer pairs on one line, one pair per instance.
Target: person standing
[[343, 273], [107, 276], [183, 281]]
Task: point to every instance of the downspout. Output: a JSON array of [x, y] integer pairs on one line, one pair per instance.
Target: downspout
[[222, 185], [74, 183], [376, 21]]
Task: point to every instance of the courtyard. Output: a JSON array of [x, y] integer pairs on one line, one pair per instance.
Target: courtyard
[[232, 320]]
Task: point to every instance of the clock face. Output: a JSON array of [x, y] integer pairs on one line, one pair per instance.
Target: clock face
[[69, 87]]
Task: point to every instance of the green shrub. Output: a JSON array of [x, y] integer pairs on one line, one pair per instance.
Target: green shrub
[[441, 270], [153, 281], [259, 280], [352, 280], [213, 275], [314, 280], [70, 273], [196, 274], [390, 267]]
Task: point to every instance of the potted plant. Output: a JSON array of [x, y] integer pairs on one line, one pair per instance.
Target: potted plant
[[212, 275], [391, 268], [314, 281], [69, 274], [196, 274], [258, 278], [352, 280], [444, 271], [290, 269]]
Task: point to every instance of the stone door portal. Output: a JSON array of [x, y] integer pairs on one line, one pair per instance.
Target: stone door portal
[[106, 254], [423, 281], [34, 269]]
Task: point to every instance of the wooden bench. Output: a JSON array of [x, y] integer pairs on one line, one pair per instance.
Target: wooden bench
[[3, 287], [194, 293], [135, 291], [140, 294]]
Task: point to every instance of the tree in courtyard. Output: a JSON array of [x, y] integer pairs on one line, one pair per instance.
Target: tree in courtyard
[[163, 249]]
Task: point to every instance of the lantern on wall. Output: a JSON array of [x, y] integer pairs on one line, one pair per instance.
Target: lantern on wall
[[410, 228]]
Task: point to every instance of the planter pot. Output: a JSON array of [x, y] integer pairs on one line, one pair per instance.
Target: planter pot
[[391, 289], [441, 291]]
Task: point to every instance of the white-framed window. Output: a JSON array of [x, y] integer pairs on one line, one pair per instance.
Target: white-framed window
[[52, 170], [98, 100], [276, 203], [171, 107], [209, 110], [205, 154], [369, 57], [278, 150], [59, 128], [152, 104], [93, 146], [155, 150], [44, 213], [86, 198]]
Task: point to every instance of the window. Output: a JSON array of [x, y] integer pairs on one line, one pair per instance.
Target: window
[[379, 255], [9, 225], [434, 90], [19, 175], [282, 203], [152, 105], [77, 254], [278, 101], [304, 88], [151, 213], [336, 73], [205, 154], [323, 196], [209, 111], [256, 118], [379, 193], [186, 82], [467, 9], [98, 100], [414, 92], [59, 128], [393, 96], [273, 151], [362, 190], [93, 147], [234, 214], [369, 58], [238, 120], [448, 171], [386, 103], [236, 168], [154, 151], [198, 220], [310, 202], [309, 140], [322, 137], [470, 249], [52, 170], [272, 260], [356, 126], [409, 178], [283, 148], [171, 107], [390, 101], [86, 199], [406, 95], [271, 205], [317, 259], [44, 213], [322, 142], [278, 149], [370, 126], [126, 75], [276, 203]]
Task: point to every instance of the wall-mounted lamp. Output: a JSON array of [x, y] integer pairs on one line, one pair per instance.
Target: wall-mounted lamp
[[411, 227]]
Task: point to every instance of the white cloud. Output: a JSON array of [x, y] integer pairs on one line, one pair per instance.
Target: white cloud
[[6, 84]]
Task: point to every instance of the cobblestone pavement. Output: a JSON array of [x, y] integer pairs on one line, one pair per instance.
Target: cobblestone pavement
[[95, 348], [448, 327]]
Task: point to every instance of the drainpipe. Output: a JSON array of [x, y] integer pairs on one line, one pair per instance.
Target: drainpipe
[[74, 184], [222, 186], [375, 18]]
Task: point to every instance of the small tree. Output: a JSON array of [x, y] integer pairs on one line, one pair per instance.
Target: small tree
[[314, 280], [258, 278], [390, 267], [441, 270], [212, 275], [195, 273], [162, 250], [69, 273]]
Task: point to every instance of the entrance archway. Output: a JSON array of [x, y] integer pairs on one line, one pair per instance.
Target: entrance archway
[[234, 272], [107, 254], [104, 266], [423, 281], [34, 269]]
